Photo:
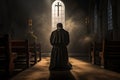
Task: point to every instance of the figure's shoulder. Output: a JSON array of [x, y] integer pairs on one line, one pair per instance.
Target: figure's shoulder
[[54, 31], [65, 31]]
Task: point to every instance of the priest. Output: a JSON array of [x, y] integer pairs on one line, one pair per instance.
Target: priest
[[59, 39]]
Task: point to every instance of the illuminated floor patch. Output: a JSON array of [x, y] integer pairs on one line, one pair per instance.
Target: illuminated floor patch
[[81, 71]]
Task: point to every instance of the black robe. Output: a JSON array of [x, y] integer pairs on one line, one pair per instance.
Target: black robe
[[59, 55]]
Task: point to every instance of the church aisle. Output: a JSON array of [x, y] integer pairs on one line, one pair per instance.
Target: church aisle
[[81, 71]]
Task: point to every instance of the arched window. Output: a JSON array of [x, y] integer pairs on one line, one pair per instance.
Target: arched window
[[58, 13], [110, 21]]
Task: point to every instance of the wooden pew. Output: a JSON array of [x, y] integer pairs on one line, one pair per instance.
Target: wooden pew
[[110, 55], [96, 48], [6, 57], [35, 51], [92, 51], [20, 48], [14, 54], [38, 49]]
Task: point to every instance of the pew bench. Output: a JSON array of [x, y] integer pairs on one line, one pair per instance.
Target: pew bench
[[110, 55], [6, 57], [15, 55], [96, 48], [35, 52], [20, 48]]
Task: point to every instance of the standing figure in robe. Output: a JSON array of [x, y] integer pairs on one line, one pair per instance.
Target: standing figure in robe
[[59, 55]]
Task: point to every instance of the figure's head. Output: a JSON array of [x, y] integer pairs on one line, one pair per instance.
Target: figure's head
[[59, 26]]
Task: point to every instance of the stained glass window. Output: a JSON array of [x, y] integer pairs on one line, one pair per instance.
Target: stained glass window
[[110, 22]]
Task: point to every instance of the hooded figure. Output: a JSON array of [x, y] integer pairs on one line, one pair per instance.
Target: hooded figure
[[59, 55]]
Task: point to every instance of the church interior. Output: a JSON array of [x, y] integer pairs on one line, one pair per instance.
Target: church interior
[[94, 48]]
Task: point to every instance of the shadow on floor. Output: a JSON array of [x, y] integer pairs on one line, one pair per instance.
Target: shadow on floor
[[61, 75]]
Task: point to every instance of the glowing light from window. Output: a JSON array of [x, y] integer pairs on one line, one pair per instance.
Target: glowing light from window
[[58, 13], [110, 21]]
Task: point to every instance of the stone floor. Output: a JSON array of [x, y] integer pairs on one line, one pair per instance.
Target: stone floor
[[81, 71]]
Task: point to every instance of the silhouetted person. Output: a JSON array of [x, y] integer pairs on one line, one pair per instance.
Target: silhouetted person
[[59, 55]]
